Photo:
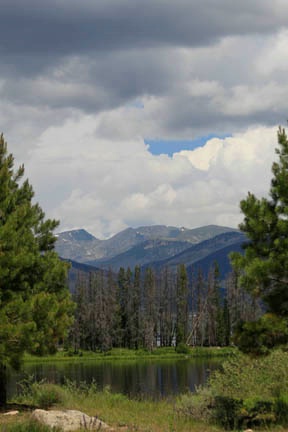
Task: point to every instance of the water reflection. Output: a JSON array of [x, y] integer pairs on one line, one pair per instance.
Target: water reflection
[[134, 378]]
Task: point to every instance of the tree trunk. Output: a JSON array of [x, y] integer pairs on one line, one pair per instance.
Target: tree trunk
[[3, 385]]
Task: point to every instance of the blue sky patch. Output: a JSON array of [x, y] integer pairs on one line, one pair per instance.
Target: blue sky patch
[[158, 146]]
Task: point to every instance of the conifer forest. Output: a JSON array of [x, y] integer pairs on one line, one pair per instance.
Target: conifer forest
[[142, 308]]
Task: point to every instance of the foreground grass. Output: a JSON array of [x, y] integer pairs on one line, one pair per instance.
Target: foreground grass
[[119, 411], [21, 423], [116, 410], [127, 354]]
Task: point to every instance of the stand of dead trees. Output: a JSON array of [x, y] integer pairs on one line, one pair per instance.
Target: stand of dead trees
[[147, 309]]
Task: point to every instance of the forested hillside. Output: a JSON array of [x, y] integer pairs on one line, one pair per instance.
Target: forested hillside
[[170, 286]]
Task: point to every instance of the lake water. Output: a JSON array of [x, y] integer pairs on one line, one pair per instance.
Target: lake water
[[155, 378]]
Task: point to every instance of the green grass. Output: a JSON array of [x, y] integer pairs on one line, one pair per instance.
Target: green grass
[[116, 410], [26, 425], [126, 354]]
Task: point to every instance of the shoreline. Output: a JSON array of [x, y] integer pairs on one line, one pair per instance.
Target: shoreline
[[126, 354]]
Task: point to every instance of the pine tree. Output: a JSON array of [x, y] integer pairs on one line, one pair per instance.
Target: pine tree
[[78, 331], [182, 305], [200, 320], [135, 309], [148, 311], [122, 298], [215, 323], [112, 307], [226, 323], [166, 303], [129, 330], [35, 308], [264, 265]]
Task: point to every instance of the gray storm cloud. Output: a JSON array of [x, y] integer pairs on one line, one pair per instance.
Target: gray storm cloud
[[67, 27], [136, 70]]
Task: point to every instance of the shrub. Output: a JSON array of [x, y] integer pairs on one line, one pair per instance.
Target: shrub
[[281, 409], [259, 383], [182, 348], [197, 406], [82, 388], [233, 413], [228, 412], [243, 377], [41, 394], [245, 392], [46, 395]]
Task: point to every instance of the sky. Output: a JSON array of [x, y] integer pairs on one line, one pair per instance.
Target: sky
[[140, 112]]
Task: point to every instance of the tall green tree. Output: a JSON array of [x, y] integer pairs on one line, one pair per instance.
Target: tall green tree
[[215, 323], [181, 305], [124, 282], [148, 319], [135, 309], [35, 305], [167, 300], [78, 331], [264, 265], [199, 323]]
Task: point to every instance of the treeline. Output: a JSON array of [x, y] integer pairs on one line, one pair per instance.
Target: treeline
[[145, 309]]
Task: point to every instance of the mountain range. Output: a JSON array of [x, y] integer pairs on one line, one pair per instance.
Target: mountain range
[[157, 246]]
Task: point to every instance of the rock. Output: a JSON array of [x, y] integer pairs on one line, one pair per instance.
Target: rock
[[69, 420], [11, 413]]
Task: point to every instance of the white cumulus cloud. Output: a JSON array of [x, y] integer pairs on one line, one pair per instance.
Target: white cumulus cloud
[[106, 185]]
